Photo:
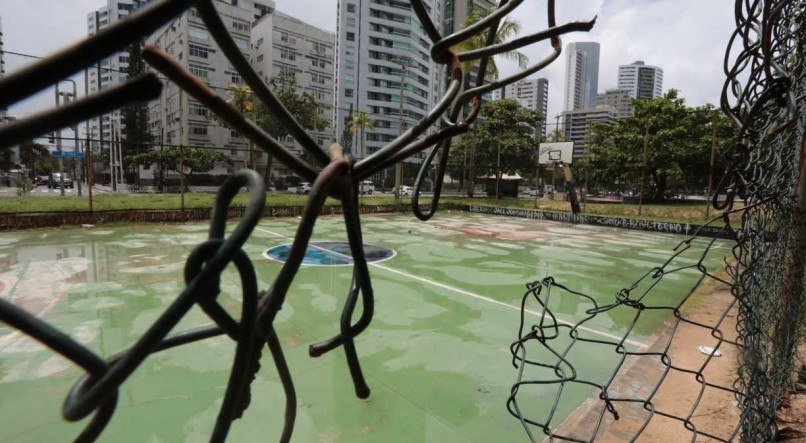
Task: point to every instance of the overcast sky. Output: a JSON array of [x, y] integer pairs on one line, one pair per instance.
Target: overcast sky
[[686, 38]]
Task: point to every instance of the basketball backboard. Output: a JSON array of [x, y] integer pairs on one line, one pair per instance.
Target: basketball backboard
[[550, 153]]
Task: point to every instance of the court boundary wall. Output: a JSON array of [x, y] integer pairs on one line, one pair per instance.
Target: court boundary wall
[[10, 222]]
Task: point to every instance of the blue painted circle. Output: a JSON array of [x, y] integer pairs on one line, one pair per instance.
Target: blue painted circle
[[330, 253]]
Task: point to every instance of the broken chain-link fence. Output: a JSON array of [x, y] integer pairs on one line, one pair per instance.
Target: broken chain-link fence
[[331, 173], [762, 198]]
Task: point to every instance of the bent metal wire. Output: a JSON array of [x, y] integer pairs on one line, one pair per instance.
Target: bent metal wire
[[332, 174], [765, 95]]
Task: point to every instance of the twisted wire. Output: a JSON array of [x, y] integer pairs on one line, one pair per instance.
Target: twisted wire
[[765, 96], [332, 174]]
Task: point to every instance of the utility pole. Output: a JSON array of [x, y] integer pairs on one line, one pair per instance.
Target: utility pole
[[59, 148], [643, 171], [399, 165], [711, 169], [98, 75], [88, 146], [66, 98]]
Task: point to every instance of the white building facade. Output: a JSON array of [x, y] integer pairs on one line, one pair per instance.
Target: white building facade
[[618, 99], [176, 118], [284, 46], [581, 75], [577, 123], [377, 42], [641, 80]]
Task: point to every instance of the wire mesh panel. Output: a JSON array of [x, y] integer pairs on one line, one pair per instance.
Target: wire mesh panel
[[762, 199], [331, 173]]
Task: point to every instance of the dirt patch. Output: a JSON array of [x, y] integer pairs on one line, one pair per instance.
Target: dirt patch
[[688, 385]]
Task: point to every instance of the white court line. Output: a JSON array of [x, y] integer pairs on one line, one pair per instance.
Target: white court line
[[474, 295]]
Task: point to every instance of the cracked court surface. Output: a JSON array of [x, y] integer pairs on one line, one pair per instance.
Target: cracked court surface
[[436, 355]]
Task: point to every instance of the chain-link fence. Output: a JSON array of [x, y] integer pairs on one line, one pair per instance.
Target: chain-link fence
[[760, 322]]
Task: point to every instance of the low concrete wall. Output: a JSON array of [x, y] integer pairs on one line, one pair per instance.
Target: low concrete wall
[[599, 220], [44, 220]]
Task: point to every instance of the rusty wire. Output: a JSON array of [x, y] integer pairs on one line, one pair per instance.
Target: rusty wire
[[765, 96], [332, 175]]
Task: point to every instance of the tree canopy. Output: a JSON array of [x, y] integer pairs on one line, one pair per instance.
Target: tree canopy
[[678, 150], [195, 159], [506, 127], [135, 116]]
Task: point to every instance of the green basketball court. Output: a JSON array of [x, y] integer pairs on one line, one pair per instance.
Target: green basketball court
[[436, 355]]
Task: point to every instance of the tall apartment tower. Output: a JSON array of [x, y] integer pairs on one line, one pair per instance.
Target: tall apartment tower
[[378, 41], [457, 11], [113, 68], [641, 80], [531, 93], [284, 46], [175, 118], [581, 75], [3, 111]]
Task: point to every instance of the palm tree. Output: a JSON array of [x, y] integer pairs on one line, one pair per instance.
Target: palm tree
[[241, 98], [507, 29], [359, 123]]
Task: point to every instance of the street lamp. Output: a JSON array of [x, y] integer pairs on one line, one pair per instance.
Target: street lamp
[[65, 98], [399, 165]]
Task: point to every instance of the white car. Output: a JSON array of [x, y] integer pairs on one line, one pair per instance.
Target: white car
[[366, 187], [406, 191], [304, 188]]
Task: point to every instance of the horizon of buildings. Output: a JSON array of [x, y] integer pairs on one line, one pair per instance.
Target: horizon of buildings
[[584, 105]]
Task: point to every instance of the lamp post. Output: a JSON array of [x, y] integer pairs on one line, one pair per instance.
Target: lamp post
[[399, 165]]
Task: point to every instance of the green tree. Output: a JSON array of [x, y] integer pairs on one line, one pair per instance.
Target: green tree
[[678, 153], [359, 122], [507, 30], [302, 106], [507, 129], [195, 159], [34, 156], [557, 135], [135, 116]]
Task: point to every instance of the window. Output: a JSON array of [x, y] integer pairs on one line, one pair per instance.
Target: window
[[198, 51], [196, 129], [351, 22], [348, 93], [285, 54], [351, 36], [349, 79], [260, 42], [233, 152], [198, 71], [241, 43], [260, 58], [349, 64], [350, 7], [240, 26], [284, 37], [196, 109], [234, 77], [349, 50], [198, 33]]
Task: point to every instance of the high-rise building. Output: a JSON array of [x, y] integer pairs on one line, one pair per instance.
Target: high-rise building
[[581, 75], [113, 68], [3, 111], [378, 42], [457, 11], [641, 80], [578, 122], [285, 47], [618, 99], [175, 118], [530, 93]]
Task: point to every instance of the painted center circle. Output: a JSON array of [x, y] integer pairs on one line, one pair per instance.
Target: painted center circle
[[330, 253]]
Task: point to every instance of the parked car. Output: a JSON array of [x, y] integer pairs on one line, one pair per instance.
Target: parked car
[[366, 187], [41, 180], [406, 191], [55, 181], [304, 188]]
